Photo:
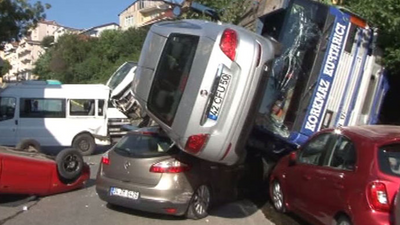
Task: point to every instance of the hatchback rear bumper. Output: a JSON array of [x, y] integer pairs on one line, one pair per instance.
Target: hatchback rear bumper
[[172, 201]]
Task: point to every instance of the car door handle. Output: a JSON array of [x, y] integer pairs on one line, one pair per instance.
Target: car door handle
[[16, 122], [306, 177]]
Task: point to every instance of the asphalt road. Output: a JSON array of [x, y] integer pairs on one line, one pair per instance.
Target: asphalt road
[[84, 207]]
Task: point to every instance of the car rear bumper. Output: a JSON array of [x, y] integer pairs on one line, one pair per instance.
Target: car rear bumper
[[372, 217], [158, 199]]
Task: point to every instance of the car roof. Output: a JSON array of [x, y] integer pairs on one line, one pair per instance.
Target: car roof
[[379, 134]]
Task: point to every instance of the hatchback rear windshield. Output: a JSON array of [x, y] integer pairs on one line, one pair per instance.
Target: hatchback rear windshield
[[143, 146], [171, 76], [389, 159]]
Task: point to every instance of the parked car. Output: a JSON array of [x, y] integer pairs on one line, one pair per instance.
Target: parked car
[[342, 176], [38, 174], [396, 209], [146, 171]]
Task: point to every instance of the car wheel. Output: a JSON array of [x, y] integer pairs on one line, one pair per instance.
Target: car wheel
[[84, 143], [69, 164], [29, 145], [199, 203], [277, 198], [343, 220]]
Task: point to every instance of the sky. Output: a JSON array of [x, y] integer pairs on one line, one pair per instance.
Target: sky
[[84, 14]]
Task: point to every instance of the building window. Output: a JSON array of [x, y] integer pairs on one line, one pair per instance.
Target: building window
[[129, 21]]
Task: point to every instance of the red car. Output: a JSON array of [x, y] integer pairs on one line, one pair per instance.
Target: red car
[[39, 174], [341, 176]]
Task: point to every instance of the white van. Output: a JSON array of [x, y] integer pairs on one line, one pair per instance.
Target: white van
[[54, 115]]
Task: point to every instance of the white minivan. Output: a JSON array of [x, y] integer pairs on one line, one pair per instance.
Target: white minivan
[[42, 115]]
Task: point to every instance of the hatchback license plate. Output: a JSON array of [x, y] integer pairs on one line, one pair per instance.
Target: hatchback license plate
[[219, 96], [114, 191]]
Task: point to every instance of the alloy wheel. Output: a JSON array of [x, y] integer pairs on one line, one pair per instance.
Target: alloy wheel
[[277, 196], [201, 200]]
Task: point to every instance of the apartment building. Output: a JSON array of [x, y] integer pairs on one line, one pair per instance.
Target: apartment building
[[143, 12], [97, 30]]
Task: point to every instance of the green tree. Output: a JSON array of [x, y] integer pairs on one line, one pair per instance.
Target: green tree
[[47, 41], [5, 68], [18, 16]]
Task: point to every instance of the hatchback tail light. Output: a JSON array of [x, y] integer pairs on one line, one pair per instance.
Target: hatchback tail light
[[105, 160], [229, 43], [169, 166], [196, 143], [378, 197]]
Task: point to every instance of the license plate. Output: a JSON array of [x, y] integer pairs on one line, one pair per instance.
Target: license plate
[[219, 96], [114, 191]]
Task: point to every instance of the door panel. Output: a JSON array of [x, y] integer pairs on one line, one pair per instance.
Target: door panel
[[8, 121], [26, 175]]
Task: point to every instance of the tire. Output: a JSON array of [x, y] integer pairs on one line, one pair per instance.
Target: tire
[[69, 164], [29, 145], [343, 220], [199, 203], [84, 143], [277, 196]]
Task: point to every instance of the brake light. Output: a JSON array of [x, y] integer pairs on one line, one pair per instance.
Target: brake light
[[195, 143], [169, 166], [104, 159], [377, 197], [229, 43]]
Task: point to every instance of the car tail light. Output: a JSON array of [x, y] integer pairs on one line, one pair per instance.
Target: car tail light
[[169, 166], [196, 143], [105, 160], [377, 197], [229, 43]]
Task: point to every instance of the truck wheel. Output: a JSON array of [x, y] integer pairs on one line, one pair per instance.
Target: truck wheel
[[29, 145], [200, 203], [84, 143]]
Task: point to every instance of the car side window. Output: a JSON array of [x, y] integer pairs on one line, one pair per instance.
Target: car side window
[[314, 151], [344, 154], [7, 108]]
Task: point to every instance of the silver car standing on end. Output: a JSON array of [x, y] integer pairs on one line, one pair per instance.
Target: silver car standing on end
[[198, 79]]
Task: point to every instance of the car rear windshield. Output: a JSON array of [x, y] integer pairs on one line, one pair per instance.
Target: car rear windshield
[[389, 159], [171, 76], [144, 145]]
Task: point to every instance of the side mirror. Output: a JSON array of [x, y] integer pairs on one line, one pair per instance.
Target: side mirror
[[292, 158]]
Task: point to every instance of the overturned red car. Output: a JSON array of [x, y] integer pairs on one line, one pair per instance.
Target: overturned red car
[[39, 174]]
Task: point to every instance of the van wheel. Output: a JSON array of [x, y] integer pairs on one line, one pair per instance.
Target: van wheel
[[84, 143], [69, 164], [200, 203], [29, 145]]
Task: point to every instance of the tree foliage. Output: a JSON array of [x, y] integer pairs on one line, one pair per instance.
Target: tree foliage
[[5, 68], [82, 59], [18, 16], [47, 41]]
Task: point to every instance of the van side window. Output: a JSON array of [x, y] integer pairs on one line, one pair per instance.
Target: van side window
[[82, 107], [7, 108], [101, 108], [42, 108]]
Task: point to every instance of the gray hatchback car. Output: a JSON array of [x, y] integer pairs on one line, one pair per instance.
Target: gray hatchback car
[[145, 171]]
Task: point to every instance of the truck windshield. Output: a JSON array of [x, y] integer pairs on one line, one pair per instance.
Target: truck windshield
[[299, 29], [120, 74]]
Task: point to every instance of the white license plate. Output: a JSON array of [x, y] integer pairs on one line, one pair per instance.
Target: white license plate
[[219, 96], [114, 191]]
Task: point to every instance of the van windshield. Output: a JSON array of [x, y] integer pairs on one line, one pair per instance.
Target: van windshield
[[120, 74], [171, 76]]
